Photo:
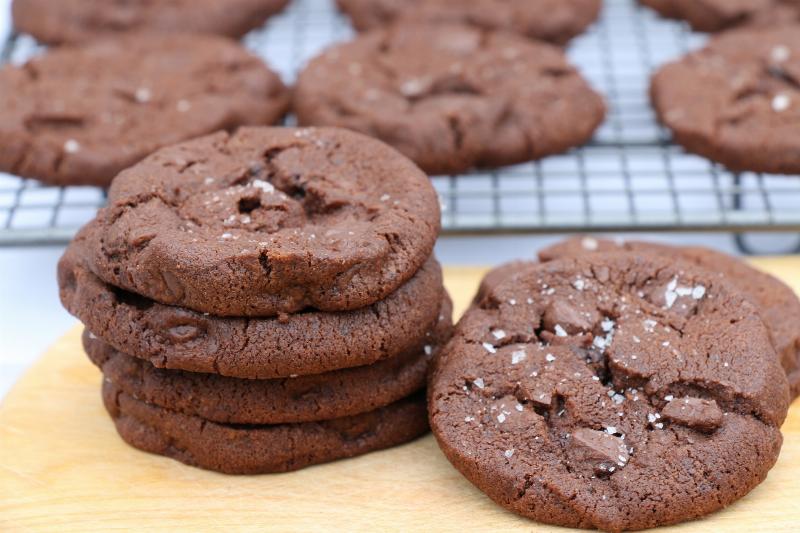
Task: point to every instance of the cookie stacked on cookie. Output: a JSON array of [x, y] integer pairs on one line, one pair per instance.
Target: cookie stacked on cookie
[[618, 387], [264, 300]]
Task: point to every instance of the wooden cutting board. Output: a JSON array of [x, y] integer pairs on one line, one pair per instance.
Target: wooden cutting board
[[63, 468]]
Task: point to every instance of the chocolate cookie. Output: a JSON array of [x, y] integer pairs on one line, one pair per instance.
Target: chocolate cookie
[[718, 15], [776, 302], [737, 101], [451, 97], [221, 399], [80, 115], [616, 392], [267, 221], [556, 21], [304, 343], [70, 21], [260, 449]]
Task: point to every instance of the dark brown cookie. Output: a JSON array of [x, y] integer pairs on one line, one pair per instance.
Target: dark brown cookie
[[776, 302], [619, 392], [265, 222], [80, 115], [221, 399], [451, 97], [70, 21], [556, 21], [304, 343], [737, 101], [718, 15], [261, 449]]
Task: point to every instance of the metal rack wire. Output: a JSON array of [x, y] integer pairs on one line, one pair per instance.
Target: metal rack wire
[[629, 178]]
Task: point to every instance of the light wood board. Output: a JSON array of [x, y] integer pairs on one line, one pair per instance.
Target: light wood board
[[63, 468]]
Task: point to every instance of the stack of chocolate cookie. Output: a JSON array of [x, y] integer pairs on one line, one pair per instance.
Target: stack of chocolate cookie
[[263, 301], [618, 386]]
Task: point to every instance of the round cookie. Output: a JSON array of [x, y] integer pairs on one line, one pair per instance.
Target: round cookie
[[776, 302], [221, 399], [304, 343], [718, 15], [556, 21], [631, 392], [451, 97], [261, 449], [736, 101], [70, 21], [265, 222], [80, 115]]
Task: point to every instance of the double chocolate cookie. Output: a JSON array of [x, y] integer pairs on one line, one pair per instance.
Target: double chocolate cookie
[[237, 449], [80, 115], [258, 348], [556, 21], [737, 101], [776, 302], [344, 392], [451, 97], [69, 21], [718, 15], [265, 222], [619, 392]]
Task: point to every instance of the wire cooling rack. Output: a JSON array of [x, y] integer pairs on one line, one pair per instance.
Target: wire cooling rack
[[629, 178]]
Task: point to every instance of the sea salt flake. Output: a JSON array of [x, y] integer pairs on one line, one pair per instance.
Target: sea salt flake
[[549, 358], [479, 383], [499, 334], [589, 243], [780, 53], [71, 146], [517, 356], [469, 418], [263, 185], [607, 325], [428, 349], [781, 102], [385, 197], [579, 284], [142, 95], [518, 407], [508, 453], [669, 397], [501, 418], [512, 301], [698, 292], [560, 331], [489, 347]]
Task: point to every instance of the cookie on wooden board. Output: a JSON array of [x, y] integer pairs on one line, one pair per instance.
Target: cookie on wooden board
[[615, 392], [304, 343], [71, 21], [267, 222], [451, 97], [80, 115], [556, 21], [261, 449], [736, 101], [335, 394], [776, 302]]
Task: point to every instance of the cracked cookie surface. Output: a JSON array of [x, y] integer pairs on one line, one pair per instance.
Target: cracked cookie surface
[[259, 348], [335, 394], [81, 115], [266, 222], [555, 395], [776, 302], [70, 21], [261, 449], [451, 97], [718, 15], [556, 21], [737, 101]]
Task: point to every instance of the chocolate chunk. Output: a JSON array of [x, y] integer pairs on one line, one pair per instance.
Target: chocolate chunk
[[696, 413], [603, 452]]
